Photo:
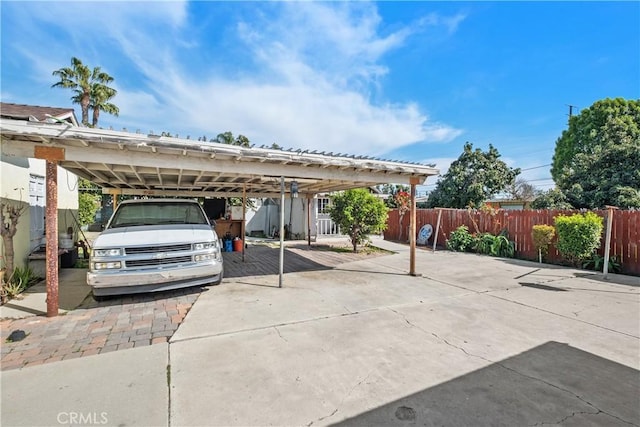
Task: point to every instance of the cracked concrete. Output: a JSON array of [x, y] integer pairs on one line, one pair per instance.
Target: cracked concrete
[[366, 344]]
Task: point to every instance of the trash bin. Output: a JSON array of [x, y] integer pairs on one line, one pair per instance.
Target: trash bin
[[237, 245]]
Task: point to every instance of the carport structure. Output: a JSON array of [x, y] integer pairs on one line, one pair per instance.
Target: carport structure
[[154, 165]]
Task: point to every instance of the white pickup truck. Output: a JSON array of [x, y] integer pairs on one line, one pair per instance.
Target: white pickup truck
[[155, 245]]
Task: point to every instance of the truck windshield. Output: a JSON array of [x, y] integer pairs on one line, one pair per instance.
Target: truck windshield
[[135, 214]]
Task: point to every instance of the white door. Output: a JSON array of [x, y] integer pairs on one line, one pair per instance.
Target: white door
[[37, 204]]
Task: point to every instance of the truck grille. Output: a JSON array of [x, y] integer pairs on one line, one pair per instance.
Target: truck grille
[[158, 261], [156, 249]]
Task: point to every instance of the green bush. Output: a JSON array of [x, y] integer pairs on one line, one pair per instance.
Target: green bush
[[460, 240], [542, 237], [359, 214], [503, 247], [596, 262], [20, 280], [484, 242], [578, 235]]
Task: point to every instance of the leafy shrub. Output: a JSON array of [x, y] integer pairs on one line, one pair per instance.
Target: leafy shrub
[[542, 237], [10, 290], [484, 243], [359, 214], [578, 235], [596, 262], [20, 280], [503, 247], [460, 240]]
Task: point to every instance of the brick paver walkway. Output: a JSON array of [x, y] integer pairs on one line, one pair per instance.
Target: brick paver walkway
[[145, 319], [97, 327]]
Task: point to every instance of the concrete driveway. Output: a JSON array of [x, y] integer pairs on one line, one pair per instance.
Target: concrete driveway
[[474, 341]]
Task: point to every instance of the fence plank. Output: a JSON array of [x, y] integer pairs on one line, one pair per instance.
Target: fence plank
[[625, 238]]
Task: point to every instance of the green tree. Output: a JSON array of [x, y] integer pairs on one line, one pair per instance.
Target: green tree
[[100, 97], [89, 198], [551, 199], [520, 189], [90, 88], [88, 205], [597, 159], [359, 213], [472, 179]]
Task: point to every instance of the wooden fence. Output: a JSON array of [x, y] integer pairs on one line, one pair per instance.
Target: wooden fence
[[625, 231]]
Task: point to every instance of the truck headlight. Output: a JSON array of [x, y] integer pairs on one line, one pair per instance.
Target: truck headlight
[[107, 252], [204, 257], [107, 265], [205, 245]]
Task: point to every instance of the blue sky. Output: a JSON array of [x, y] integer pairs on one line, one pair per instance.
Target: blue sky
[[399, 80]]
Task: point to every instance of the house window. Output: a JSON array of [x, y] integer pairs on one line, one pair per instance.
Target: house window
[[323, 205]]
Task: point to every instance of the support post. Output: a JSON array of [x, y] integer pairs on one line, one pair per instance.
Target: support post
[[244, 220], [52, 237], [308, 220], [281, 231], [605, 268], [435, 237], [412, 230]]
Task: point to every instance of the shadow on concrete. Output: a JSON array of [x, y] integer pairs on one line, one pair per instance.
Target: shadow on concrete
[[553, 383], [109, 301], [261, 260], [612, 279], [542, 287]]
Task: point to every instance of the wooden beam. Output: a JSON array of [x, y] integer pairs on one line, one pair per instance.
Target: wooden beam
[[53, 154]]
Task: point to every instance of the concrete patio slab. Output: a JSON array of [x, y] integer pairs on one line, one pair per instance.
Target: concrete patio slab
[[72, 291], [473, 341], [123, 388], [378, 347]]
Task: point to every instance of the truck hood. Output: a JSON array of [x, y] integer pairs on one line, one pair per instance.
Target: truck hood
[[151, 235]]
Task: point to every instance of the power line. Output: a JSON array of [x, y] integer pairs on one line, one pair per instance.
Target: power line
[[535, 167]]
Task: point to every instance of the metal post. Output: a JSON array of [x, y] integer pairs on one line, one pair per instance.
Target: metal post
[[52, 237], [308, 220], [605, 268], [281, 230], [244, 214], [412, 232], [435, 237]]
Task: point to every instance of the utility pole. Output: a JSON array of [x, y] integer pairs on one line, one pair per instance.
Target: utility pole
[[571, 107]]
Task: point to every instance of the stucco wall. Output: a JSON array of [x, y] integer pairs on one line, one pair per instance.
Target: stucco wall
[[14, 188], [268, 216]]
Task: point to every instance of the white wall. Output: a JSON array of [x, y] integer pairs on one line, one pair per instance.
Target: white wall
[[14, 187], [268, 216]]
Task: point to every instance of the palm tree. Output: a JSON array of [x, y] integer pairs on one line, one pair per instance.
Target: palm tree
[[100, 95], [90, 89]]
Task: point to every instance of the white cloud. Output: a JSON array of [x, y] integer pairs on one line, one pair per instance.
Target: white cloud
[[316, 65]]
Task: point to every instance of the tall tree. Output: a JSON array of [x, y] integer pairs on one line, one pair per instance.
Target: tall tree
[[90, 88], [597, 159], [225, 138], [100, 97], [359, 214], [228, 138], [521, 190], [472, 179]]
